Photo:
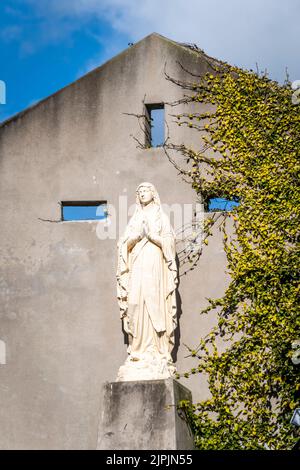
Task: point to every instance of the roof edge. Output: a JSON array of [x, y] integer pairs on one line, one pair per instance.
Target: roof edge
[[21, 113]]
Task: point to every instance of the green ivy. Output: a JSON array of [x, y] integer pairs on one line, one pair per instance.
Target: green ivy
[[251, 146]]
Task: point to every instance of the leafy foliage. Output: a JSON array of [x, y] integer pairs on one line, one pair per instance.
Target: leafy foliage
[[251, 144]]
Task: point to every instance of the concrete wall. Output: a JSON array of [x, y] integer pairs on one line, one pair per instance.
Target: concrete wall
[[59, 316]]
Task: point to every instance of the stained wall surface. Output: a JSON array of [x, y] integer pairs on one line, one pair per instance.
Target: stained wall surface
[[59, 316]]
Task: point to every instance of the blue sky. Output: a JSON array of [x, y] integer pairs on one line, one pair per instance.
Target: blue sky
[[47, 44]]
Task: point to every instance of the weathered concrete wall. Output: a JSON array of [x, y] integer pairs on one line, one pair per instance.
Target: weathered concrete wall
[[59, 314]]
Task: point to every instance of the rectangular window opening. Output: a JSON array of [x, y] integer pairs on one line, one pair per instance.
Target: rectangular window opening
[[221, 204], [83, 210], [155, 125]]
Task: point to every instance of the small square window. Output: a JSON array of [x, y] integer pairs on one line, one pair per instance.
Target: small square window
[[155, 125], [83, 210], [218, 204]]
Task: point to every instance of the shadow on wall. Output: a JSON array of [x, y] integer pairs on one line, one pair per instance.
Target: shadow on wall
[[179, 313]]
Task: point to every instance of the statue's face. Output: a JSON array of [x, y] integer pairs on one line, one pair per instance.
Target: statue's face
[[145, 195]]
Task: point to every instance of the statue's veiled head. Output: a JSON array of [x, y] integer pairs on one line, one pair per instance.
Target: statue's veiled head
[[146, 193]]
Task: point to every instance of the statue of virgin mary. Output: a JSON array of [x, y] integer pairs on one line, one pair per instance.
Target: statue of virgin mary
[[146, 284]]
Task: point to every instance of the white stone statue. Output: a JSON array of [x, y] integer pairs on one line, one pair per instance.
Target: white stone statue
[[147, 281]]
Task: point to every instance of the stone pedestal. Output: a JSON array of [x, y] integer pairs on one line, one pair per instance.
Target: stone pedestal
[[143, 415]]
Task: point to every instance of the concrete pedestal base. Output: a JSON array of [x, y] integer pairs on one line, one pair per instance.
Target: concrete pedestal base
[[143, 415]]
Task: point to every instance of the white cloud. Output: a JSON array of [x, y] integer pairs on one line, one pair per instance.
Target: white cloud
[[11, 33], [242, 32]]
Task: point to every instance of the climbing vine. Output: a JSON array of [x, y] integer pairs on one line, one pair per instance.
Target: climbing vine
[[250, 147]]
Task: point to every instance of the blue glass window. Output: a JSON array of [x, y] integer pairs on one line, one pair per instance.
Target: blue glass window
[[156, 113], [86, 210], [221, 204]]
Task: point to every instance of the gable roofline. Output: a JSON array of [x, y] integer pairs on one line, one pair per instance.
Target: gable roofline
[[192, 48]]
